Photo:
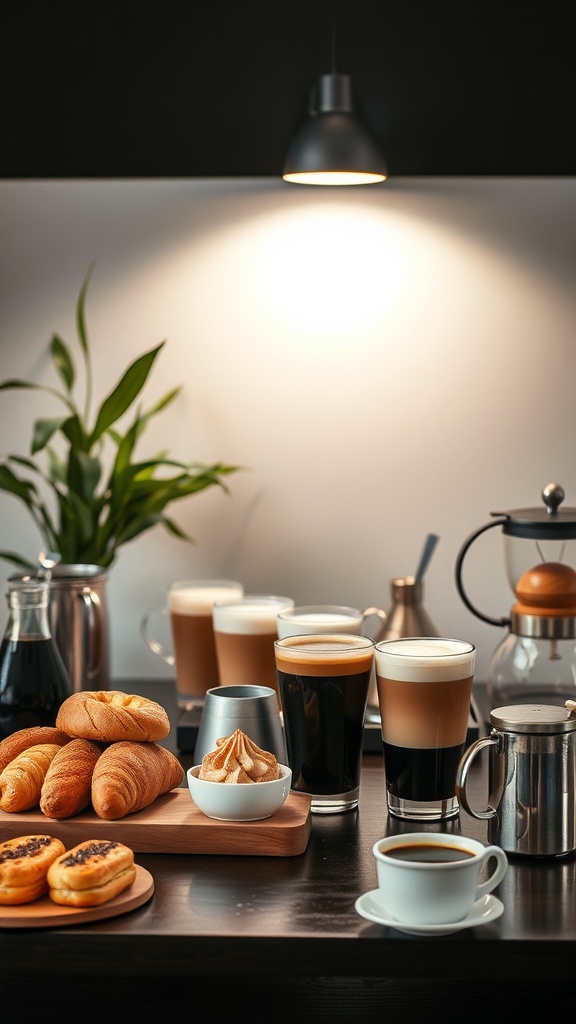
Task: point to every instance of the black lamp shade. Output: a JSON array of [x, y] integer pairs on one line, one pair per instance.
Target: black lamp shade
[[334, 147]]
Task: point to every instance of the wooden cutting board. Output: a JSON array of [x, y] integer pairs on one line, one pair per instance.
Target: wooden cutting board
[[173, 824], [44, 913]]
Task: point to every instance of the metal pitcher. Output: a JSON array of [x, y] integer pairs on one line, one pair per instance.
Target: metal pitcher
[[532, 780], [78, 617]]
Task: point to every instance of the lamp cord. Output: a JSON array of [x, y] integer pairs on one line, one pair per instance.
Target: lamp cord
[[334, 36]]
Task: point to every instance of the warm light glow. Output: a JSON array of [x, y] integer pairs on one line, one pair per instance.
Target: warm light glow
[[334, 178], [328, 269]]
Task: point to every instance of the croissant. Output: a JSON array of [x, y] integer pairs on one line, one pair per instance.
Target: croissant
[[21, 781], [130, 775], [111, 716], [66, 790], [20, 740]]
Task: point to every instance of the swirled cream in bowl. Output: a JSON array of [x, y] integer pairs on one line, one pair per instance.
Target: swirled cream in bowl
[[238, 781]]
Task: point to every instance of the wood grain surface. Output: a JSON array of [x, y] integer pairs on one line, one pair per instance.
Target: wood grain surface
[[173, 824]]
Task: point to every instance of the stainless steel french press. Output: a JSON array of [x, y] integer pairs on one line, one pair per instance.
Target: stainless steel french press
[[531, 779]]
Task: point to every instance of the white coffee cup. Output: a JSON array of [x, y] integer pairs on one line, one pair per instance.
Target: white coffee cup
[[433, 878]]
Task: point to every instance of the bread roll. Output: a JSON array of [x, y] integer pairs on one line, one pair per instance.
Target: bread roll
[[24, 864], [66, 788], [91, 873], [18, 741], [110, 716], [22, 779], [129, 776]]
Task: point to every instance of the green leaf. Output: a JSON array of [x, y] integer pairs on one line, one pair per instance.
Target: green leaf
[[84, 472], [29, 386], [57, 467], [175, 530], [129, 387], [46, 527], [22, 563], [162, 403], [16, 383], [42, 431], [81, 313], [125, 448], [23, 461], [63, 362], [22, 489], [136, 527], [73, 430], [78, 524]]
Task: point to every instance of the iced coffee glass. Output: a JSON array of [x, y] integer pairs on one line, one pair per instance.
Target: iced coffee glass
[[324, 682], [424, 689]]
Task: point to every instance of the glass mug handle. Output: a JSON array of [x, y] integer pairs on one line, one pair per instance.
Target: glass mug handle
[[155, 646], [382, 618]]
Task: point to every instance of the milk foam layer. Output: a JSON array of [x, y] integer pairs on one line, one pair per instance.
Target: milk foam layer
[[318, 622], [422, 660], [322, 619], [250, 615], [199, 600]]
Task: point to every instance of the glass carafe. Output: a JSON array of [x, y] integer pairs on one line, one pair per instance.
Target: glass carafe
[[536, 660], [33, 679]]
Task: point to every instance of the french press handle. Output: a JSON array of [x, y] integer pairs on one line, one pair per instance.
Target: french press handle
[[459, 563]]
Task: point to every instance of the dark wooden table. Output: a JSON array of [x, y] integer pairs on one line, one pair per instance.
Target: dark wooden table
[[222, 933]]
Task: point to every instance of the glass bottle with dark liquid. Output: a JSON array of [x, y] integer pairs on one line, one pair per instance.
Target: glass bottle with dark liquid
[[33, 679]]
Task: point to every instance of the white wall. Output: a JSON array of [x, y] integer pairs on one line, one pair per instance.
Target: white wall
[[385, 362]]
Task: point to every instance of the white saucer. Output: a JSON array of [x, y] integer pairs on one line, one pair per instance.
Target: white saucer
[[486, 909]]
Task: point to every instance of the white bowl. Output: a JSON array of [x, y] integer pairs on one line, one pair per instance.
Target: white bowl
[[241, 801]]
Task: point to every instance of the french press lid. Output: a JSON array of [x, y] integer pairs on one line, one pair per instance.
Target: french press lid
[[533, 718], [555, 616], [548, 523]]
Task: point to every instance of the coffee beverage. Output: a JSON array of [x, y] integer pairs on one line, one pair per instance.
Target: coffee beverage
[[428, 853], [324, 681], [190, 646], [190, 608], [424, 689], [244, 633]]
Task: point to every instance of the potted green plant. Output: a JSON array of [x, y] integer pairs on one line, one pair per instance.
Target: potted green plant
[[102, 496]]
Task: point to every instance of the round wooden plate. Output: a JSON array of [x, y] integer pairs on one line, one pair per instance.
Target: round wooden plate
[[44, 913]]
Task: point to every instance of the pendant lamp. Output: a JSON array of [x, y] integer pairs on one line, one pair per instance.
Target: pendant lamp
[[334, 147]]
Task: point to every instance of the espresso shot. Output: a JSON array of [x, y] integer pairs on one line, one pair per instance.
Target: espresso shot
[[324, 682], [424, 691]]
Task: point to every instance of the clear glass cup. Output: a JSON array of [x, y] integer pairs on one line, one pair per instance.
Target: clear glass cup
[[190, 647], [424, 690], [329, 618], [324, 681], [244, 632]]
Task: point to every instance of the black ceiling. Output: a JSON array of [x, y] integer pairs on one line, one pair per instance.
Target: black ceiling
[[217, 88]]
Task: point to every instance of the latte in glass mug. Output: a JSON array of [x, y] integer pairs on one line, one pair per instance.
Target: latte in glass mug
[[244, 632], [192, 650]]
